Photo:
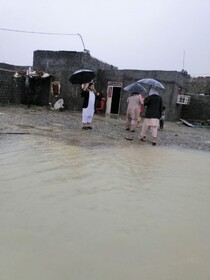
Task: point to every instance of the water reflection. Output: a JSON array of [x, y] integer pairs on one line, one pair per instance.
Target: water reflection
[[68, 212]]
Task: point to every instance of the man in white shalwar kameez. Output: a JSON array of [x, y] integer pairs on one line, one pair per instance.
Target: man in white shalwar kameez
[[133, 111], [88, 107]]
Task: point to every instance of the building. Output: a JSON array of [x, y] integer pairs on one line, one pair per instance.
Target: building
[[180, 97]]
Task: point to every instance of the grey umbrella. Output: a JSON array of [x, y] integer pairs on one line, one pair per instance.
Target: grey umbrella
[[151, 82], [135, 87]]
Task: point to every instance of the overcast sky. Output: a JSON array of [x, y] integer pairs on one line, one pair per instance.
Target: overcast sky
[[129, 34]]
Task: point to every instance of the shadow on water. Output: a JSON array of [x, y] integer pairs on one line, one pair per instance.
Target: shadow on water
[[95, 212]]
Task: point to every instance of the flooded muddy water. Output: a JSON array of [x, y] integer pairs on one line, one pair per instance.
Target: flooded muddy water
[[70, 212]]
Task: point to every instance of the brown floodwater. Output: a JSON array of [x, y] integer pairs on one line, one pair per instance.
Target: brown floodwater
[[70, 212]]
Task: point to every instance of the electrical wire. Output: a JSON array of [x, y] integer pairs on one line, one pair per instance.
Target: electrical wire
[[45, 33]]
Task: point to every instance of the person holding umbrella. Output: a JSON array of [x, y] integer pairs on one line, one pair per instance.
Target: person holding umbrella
[[133, 110], [88, 108], [153, 102], [134, 101]]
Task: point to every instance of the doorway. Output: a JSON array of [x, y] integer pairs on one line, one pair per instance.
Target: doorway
[[113, 98]]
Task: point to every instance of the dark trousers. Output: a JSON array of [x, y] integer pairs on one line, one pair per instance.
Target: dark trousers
[[161, 124]]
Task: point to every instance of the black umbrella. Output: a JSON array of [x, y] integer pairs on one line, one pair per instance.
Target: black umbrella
[[82, 76]]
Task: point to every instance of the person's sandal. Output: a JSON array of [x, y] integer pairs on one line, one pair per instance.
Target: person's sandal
[[154, 142], [143, 139]]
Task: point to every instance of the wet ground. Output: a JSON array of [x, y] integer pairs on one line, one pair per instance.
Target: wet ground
[[66, 127]]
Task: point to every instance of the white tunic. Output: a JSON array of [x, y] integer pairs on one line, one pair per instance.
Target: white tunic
[[87, 113]]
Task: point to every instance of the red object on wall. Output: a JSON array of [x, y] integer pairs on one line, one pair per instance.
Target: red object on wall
[[100, 109]]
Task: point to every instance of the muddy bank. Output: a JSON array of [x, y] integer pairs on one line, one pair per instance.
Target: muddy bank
[[66, 126]]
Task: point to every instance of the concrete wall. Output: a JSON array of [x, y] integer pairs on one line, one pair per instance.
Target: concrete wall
[[61, 65], [172, 80]]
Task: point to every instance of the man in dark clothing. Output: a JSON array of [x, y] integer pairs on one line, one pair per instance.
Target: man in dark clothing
[[152, 115]]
